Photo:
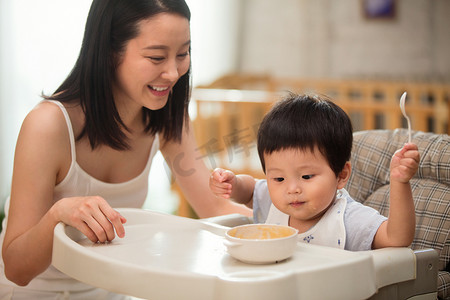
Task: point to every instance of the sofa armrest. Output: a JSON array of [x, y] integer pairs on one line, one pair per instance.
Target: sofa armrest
[[444, 285]]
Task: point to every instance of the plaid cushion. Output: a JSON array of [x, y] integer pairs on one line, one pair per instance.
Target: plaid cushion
[[369, 184]]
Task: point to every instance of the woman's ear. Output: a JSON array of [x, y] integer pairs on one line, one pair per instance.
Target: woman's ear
[[344, 175]]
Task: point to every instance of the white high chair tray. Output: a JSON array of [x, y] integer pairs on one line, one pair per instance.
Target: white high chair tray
[[169, 257]]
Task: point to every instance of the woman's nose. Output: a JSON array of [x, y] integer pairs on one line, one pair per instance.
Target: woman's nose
[[170, 71]]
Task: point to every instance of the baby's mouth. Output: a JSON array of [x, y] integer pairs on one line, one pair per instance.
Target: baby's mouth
[[296, 203]]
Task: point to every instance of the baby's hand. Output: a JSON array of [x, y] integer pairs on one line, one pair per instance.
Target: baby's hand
[[221, 182], [404, 163]]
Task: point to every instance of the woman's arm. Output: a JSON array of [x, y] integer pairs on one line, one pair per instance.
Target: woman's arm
[[42, 154], [192, 176], [399, 229]]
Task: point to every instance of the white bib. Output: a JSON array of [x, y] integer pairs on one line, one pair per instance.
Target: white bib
[[329, 231]]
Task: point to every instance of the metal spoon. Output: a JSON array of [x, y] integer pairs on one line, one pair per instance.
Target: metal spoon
[[402, 107]]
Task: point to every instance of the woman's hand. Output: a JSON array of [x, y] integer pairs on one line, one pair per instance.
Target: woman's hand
[[93, 216]]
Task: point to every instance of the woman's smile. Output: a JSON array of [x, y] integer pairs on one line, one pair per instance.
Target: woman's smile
[[159, 91]]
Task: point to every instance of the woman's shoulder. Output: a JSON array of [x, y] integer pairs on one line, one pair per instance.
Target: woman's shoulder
[[44, 117], [43, 142], [46, 111], [45, 121]]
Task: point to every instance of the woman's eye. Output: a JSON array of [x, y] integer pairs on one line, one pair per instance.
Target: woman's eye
[[183, 55], [278, 179], [156, 58], [307, 176]]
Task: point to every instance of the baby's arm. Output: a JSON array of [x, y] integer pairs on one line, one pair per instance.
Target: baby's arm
[[399, 229], [225, 184]]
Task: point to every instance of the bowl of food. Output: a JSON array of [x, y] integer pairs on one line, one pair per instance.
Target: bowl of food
[[261, 243]]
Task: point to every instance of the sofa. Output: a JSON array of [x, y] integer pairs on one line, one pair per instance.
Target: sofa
[[369, 184]]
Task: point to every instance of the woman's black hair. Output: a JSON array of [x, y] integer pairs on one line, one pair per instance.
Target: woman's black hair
[[304, 122], [109, 27]]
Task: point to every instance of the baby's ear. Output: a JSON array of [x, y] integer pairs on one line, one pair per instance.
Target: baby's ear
[[344, 175]]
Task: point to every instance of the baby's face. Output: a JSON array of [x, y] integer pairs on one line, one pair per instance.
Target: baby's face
[[301, 184]]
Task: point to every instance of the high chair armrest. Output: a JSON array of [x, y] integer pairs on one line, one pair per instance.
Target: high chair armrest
[[230, 220], [423, 287]]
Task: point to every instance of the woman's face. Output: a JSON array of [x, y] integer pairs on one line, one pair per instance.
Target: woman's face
[[153, 62]]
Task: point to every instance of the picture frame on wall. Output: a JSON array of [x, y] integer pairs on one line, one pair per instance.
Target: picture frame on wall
[[379, 9]]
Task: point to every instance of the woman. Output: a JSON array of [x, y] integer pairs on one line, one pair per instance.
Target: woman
[[88, 147]]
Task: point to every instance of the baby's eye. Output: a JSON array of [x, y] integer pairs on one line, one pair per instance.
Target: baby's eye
[[278, 179], [307, 176]]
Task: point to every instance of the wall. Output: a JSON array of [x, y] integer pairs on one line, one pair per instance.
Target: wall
[[215, 33], [327, 38]]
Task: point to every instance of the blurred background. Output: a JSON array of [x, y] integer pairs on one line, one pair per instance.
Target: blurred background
[[263, 43]]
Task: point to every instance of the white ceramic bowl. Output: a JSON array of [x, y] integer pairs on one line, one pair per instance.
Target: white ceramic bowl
[[261, 243]]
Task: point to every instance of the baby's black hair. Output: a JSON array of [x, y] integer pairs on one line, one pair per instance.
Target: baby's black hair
[[304, 122]]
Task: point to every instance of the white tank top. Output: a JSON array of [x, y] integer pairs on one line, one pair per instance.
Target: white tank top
[[77, 182]]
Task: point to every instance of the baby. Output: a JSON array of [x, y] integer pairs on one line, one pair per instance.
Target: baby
[[304, 144]]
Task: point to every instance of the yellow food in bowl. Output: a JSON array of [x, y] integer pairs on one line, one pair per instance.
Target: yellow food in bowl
[[261, 232]]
